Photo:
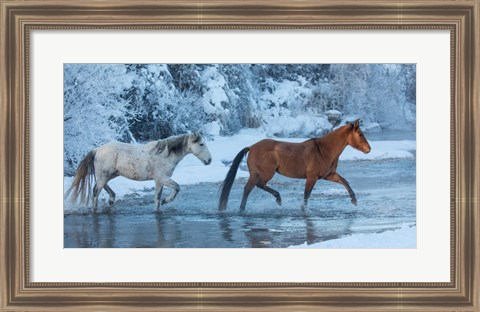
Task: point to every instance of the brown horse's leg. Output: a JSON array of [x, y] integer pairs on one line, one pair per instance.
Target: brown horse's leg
[[311, 180], [252, 181], [339, 179], [271, 191]]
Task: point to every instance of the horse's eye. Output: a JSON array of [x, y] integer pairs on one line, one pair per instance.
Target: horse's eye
[[201, 144]]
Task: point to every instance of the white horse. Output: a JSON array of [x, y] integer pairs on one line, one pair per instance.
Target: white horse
[[152, 161]]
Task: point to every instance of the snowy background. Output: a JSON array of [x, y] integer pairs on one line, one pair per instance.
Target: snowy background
[[236, 106], [135, 103]]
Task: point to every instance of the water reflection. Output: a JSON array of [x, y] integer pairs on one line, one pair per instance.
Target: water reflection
[[160, 225], [225, 228], [309, 228], [258, 237], [104, 228], [168, 231], [174, 230]]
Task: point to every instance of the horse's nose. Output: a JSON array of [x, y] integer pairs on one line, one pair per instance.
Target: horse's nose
[[208, 162], [368, 150]]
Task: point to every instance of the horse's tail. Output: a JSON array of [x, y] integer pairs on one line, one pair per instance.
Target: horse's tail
[[228, 182], [82, 182]]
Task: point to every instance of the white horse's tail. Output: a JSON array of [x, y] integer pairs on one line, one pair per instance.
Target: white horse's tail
[[82, 182]]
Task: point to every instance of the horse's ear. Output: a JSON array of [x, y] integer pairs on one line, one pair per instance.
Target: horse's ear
[[196, 137], [356, 124]]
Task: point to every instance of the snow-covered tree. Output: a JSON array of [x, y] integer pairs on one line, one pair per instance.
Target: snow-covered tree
[[147, 102], [94, 110]]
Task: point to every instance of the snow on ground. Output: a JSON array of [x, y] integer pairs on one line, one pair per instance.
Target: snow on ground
[[223, 149], [405, 237]]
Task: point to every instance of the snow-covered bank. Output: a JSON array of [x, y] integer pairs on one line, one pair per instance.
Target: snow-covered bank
[[405, 237], [223, 149]]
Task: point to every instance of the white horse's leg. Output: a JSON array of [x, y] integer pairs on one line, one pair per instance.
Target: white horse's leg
[[111, 194], [158, 195], [168, 182], [101, 182], [96, 192]]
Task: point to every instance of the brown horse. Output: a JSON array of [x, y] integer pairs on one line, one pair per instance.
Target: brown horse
[[313, 159]]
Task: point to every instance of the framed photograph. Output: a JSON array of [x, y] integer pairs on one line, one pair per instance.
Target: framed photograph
[[232, 156], [297, 120]]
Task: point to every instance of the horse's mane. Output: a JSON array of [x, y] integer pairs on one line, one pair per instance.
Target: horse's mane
[[173, 144], [323, 136]]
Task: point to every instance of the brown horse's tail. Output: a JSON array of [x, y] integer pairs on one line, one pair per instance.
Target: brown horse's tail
[[82, 182], [228, 182]]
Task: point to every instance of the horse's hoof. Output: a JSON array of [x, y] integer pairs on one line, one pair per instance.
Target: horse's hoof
[[279, 201], [354, 201]]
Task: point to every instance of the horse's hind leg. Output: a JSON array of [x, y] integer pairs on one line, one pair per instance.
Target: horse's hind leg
[[264, 187], [252, 181], [99, 185], [266, 174], [96, 192], [111, 195]]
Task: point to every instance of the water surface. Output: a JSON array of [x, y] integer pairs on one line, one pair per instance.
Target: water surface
[[385, 192]]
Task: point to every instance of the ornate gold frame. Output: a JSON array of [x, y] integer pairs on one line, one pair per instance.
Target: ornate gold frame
[[18, 18]]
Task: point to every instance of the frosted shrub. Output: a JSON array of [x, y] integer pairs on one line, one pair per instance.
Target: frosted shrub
[[94, 110]]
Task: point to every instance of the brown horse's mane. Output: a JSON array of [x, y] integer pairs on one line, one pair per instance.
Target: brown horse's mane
[[331, 135], [335, 140]]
